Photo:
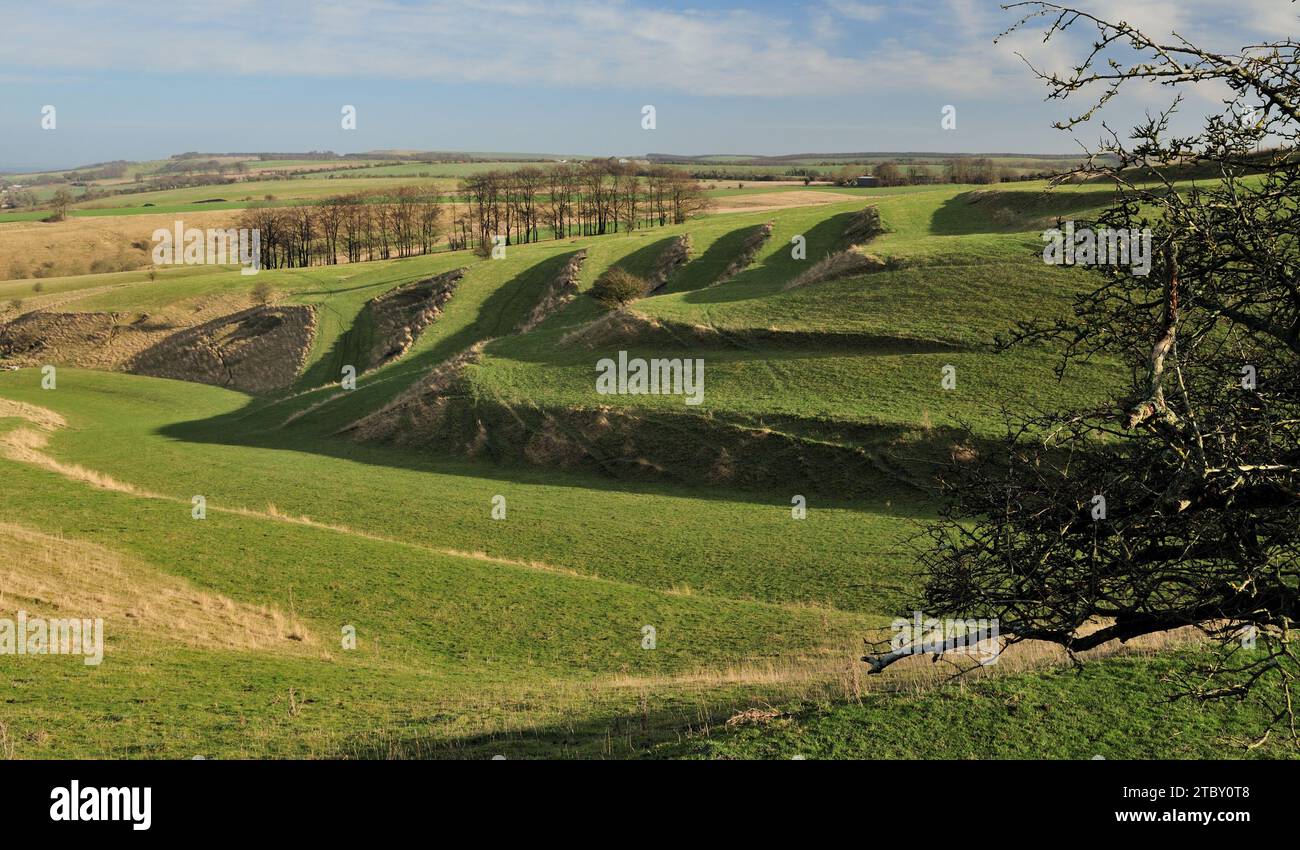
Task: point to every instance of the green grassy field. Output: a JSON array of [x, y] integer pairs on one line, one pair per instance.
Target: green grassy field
[[262, 184], [527, 635], [1118, 709], [279, 193]]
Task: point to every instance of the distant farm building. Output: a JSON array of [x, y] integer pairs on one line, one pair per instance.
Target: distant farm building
[[867, 181]]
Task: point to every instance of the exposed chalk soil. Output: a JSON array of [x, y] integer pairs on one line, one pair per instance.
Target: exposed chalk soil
[[559, 292], [402, 314], [258, 350], [676, 255]]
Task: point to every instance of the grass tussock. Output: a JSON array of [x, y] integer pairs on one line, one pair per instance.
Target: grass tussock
[[54, 576], [846, 263]]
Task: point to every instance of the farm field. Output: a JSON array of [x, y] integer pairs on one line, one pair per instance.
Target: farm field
[[99, 238], [91, 245], [237, 196], [298, 189], [292, 181], [110, 238], [531, 568]]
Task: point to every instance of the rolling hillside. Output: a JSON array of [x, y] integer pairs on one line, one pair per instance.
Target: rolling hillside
[[530, 567]]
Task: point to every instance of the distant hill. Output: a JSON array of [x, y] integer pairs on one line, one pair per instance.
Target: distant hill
[[413, 155], [865, 156]]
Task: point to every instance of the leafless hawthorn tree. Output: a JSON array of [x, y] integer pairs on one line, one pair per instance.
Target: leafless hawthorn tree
[[1199, 462]]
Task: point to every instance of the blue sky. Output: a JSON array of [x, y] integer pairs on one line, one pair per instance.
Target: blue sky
[[138, 80]]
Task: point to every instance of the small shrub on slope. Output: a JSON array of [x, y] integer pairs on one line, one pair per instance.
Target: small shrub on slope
[[617, 288]]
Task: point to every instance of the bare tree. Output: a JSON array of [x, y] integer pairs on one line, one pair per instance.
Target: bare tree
[[1177, 504], [331, 220], [61, 201]]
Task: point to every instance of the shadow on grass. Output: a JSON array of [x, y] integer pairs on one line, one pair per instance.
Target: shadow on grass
[[658, 725], [767, 275], [641, 262], [705, 269], [844, 462], [350, 347], [503, 310], [1012, 211], [584, 308], [886, 469]]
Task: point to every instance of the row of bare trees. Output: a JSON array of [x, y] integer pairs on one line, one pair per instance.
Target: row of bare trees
[[348, 228], [524, 205], [591, 198], [964, 169]]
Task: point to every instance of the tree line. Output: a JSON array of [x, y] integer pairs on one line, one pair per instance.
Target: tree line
[[528, 204], [966, 169], [348, 228], [590, 198]]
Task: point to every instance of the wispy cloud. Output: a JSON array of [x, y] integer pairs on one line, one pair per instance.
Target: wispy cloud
[[767, 77], [720, 51], [857, 11]]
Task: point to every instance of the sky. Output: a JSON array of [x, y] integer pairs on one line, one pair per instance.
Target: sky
[[142, 80]]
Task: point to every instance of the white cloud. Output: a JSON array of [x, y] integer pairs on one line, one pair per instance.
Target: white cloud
[[609, 44], [857, 11], [578, 44], [1270, 18]]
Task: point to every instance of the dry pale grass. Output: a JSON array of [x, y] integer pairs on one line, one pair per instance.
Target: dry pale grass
[[844, 263], [745, 258], [562, 289], [419, 401], [672, 258], [32, 301], [613, 327], [39, 416], [755, 717], [712, 184], [25, 445], [273, 513], [744, 693], [763, 201], [316, 405], [75, 246], [54, 576], [833, 670], [258, 350], [837, 672]]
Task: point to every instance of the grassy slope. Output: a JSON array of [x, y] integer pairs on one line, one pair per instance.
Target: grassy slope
[[1116, 709], [456, 628], [661, 536], [461, 655], [882, 339]]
